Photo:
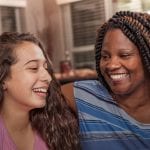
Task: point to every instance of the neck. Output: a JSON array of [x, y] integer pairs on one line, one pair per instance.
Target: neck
[[133, 102], [17, 122], [135, 99], [14, 118], [18, 125]]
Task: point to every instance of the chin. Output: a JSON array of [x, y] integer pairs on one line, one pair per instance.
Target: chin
[[120, 91], [39, 105]]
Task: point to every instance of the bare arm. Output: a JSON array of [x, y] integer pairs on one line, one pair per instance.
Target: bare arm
[[67, 90]]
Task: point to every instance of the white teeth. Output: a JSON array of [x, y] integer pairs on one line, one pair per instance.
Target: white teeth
[[43, 90], [119, 76]]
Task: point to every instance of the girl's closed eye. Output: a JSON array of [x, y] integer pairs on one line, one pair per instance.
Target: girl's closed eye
[[32, 65], [33, 68]]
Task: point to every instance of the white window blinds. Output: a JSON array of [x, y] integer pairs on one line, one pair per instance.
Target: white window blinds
[[87, 15], [11, 19]]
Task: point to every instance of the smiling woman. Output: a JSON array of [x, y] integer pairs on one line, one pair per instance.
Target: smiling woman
[[33, 112], [114, 112], [121, 65]]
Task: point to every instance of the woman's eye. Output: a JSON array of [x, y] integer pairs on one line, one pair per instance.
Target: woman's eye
[[104, 57], [125, 55]]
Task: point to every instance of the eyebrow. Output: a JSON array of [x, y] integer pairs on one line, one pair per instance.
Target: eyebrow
[[121, 49], [35, 60]]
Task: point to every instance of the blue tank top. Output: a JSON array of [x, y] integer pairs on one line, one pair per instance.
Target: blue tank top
[[103, 124]]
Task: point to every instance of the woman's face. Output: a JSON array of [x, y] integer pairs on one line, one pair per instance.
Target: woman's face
[[121, 64], [26, 87]]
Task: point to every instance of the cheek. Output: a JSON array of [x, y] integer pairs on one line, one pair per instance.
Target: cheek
[[140, 72], [27, 78], [24, 83], [136, 66]]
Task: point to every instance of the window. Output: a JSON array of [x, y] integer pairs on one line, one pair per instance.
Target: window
[[87, 15], [81, 21], [133, 5], [11, 19], [84, 59], [146, 5]]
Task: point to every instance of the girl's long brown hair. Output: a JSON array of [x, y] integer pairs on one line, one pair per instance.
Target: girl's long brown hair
[[56, 122]]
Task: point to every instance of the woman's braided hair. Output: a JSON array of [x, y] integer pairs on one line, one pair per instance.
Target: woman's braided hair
[[136, 26]]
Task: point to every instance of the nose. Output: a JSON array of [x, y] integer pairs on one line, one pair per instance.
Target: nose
[[113, 63], [45, 76]]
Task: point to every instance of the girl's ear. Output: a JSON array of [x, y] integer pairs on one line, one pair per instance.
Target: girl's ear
[[4, 86]]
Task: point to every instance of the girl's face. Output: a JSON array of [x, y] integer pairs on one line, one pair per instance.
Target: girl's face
[[120, 63], [26, 87]]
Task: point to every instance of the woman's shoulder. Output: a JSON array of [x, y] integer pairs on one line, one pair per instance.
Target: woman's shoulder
[[71, 90], [87, 83], [91, 85], [68, 89]]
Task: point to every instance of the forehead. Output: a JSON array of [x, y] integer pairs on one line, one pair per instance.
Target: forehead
[[117, 39], [115, 34], [28, 50]]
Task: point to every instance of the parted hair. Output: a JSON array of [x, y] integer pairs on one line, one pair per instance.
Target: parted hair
[[136, 26], [55, 122]]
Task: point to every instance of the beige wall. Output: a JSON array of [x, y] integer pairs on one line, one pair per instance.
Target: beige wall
[[43, 18]]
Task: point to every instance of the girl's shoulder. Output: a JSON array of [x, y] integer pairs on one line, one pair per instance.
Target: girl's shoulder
[[39, 143]]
